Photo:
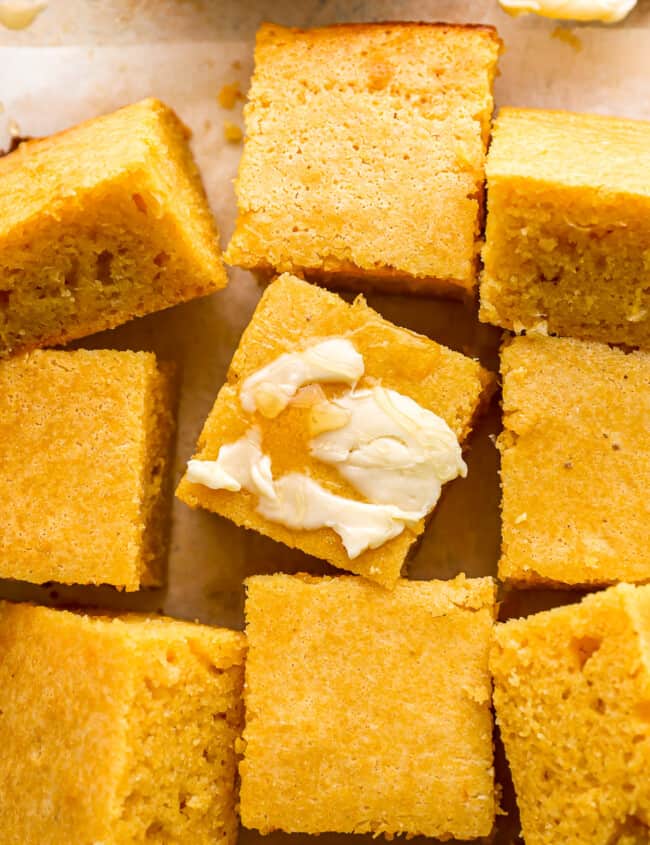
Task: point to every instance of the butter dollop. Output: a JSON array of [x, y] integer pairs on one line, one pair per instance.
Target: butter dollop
[[607, 11], [296, 500], [391, 449], [271, 388]]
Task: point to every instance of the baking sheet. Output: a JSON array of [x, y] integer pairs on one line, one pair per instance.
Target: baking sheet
[[66, 68]]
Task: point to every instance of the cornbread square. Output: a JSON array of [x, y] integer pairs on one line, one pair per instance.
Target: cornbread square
[[572, 698], [291, 314], [567, 244], [368, 711], [101, 223], [117, 730], [364, 155], [575, 463], [85, 442]]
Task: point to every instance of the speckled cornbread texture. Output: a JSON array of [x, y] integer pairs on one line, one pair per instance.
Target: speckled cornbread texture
[[291, 315], [572, 697], [84, 456], [368, 711], [101, 223], [117, 730], [575, 463], [364, 155], [568, 226]]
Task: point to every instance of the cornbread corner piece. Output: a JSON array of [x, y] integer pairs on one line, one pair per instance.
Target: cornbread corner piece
[[572, 699], [575, 463], [101, 223], [364, 155], [85, 442], [368, 711], [117, 730], [291, 315], [567, 246]]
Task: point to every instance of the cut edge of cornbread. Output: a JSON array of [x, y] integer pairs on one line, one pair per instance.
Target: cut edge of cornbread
[[341, 273], [122, 680], [134, 266], [598, 554], [438, 600], [583, 176], [591, 674]]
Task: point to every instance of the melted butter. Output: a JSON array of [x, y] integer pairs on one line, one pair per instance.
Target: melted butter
[[296, 500], [15, 15], [607, 11], [390, 449], [270, 389]]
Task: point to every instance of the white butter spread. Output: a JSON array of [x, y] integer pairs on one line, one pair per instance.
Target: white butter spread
[[272, 388], [296, 500], [391, 449], [607, 11]]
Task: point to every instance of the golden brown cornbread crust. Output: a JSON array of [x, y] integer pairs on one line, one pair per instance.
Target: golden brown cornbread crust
[[90, 708], [101, 223], [326, 748], [567, 246], [575, 463], [571, 692], [291, 315], [393, 195], [85, 443]]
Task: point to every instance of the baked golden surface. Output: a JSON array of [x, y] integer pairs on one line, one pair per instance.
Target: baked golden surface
[[368, 710], [101, 223], [575, 463], [568, 226], [117, 730], [85, 442], [290, 315], [572, 698], [364, 154]]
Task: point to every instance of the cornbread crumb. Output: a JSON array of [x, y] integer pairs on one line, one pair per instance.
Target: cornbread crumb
[[85, 438], [290, 314], [364, 155], [568, 36], [229, 94], [117, 729], [232, 133], [101, 223], [567, 243], [572, 688], [368, 711], [575, 460]]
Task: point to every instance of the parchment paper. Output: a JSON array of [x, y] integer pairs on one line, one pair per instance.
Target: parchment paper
[[74, 63]]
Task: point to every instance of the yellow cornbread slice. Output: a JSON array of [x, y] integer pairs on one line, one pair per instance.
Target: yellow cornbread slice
[[364, 155], [101, 223], [117, 730], [568, 227], [575, 463], [572, 698], [368, 710], [85, 442], [290, 314]]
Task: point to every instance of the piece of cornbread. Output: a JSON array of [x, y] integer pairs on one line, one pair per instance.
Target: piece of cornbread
[[101, 223], [290, 314], [368, 710], [85, 439], [568, 227], [117, 730], [575, 463], [364, 154], [572, 698]]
